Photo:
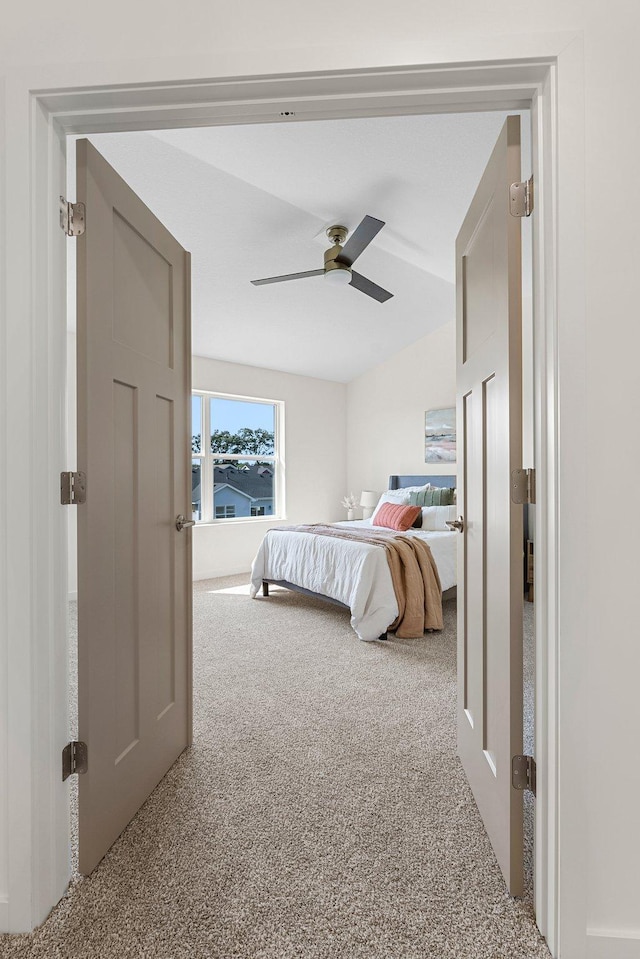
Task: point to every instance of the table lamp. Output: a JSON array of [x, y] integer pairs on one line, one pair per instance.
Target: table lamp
[[368, 500]]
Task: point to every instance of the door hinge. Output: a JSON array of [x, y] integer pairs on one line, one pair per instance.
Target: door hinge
[[75, 759], [73, 488], [523, 773], [72, 217], [521, 198], [523, 486]]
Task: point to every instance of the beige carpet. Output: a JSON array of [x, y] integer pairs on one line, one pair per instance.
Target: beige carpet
[[321, 813]]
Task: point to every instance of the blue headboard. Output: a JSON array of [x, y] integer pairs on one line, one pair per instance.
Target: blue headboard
[[399, 482]]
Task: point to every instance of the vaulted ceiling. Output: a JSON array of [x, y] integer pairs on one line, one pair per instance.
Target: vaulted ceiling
[[254, 201]]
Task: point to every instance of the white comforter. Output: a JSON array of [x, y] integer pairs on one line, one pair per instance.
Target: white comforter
[[356, 574]]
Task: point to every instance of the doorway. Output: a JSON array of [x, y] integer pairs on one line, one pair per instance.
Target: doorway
[[422, 145], [544, 122]]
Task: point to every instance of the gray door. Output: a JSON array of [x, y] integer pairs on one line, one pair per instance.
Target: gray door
[[134, 566], [490, 584]]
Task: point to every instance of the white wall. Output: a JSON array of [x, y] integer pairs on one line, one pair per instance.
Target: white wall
[[315, 444], [386, 408], [314, 447], [598, 335]]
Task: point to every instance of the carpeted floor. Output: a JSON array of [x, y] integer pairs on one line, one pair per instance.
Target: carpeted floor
[[321, 812]]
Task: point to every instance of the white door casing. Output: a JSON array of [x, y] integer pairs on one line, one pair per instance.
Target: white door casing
[[134, 566], [46, 102], [490, 578]]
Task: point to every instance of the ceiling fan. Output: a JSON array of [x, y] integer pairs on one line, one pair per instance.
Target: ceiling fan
[[339, 259]]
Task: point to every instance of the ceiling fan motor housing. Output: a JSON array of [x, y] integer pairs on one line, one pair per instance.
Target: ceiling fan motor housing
[[337, 234]]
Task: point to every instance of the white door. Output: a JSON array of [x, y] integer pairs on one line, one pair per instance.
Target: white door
[[490, 585], [134, 565]]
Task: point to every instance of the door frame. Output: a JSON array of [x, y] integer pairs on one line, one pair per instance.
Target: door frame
[[543, 73]]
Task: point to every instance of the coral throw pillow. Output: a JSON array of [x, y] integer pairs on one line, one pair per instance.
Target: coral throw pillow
[[395, 516]]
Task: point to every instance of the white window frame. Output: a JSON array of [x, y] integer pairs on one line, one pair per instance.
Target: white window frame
[[208, 460]]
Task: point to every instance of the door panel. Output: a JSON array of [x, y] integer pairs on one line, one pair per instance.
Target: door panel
[[126, 635], [490, 589], [480, 313], [134, 567], [143, 315], [164, 445]]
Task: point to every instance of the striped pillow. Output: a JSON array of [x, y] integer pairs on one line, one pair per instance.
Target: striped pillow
[[438, 496], [391, 496], [395, 516]]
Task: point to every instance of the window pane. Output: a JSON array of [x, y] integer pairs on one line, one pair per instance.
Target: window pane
[[196, 490], [247, 429], [196, 424], [247, 486]]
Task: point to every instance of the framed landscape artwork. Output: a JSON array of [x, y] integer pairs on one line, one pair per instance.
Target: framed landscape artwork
[[440, 435]]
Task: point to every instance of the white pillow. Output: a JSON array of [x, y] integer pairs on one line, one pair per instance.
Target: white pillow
[[434, 518], [414, 489], [398, 496]]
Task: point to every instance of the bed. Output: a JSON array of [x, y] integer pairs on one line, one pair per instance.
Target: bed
[[352, 575]]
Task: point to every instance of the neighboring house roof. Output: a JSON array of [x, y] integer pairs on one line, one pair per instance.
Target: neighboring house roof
[[218, 486], [255, 482]]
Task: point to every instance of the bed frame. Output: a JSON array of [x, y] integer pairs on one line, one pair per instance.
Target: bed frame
[[396, 481]]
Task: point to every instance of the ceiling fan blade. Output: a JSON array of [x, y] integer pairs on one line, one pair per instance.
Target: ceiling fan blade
[[360, 239], [369, 287], [289, 276]]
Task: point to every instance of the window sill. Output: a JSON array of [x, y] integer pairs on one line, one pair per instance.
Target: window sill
[[241, 521]]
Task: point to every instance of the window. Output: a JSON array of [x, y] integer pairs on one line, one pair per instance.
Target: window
[[237, 464]]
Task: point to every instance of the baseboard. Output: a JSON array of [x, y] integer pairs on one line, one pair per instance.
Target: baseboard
[[221, 571], [4, 916], [203, 574], [609, 944]]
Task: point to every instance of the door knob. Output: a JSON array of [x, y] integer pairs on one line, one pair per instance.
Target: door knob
[[182, 523], [457, 524]]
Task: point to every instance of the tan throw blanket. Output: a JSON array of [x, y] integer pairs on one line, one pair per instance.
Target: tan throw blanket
[[414, 574]]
